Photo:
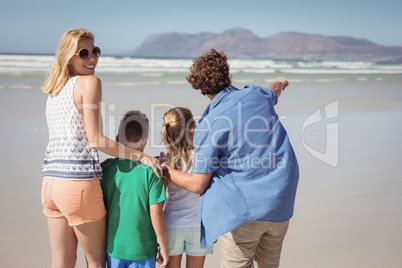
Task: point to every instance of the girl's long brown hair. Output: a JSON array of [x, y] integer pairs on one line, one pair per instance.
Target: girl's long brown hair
[[176, 135]]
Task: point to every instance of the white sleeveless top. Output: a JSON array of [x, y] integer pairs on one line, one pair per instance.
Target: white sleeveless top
[[68, 155], [181, 206]]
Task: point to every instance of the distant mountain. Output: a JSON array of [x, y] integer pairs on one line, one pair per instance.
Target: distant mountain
[[241, 43]]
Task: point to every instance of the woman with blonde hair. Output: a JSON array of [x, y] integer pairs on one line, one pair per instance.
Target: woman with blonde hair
[[71, 195], [181, 208]]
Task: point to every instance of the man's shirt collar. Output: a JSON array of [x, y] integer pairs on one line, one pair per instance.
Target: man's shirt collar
[[218, 98]]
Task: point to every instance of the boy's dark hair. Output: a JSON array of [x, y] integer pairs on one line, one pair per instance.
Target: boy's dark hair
[[210, 73], [133, 127]]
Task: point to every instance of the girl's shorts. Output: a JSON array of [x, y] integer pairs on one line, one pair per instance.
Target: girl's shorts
[[185, 240], [79, 201]]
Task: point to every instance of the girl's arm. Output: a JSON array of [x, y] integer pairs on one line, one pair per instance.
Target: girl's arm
[[88, 99]]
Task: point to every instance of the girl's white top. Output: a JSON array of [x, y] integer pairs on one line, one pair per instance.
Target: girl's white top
[[181, 207], [68, 155]]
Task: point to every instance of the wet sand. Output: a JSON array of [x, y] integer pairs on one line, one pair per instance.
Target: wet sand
[[345, 216]]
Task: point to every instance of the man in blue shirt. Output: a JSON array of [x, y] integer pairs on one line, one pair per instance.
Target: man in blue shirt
[[244, 166]]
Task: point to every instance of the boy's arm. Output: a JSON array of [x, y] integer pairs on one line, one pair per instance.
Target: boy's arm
[[158, 222]]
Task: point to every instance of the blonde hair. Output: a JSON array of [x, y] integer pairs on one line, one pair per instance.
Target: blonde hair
[[176, 135], [60, 71]]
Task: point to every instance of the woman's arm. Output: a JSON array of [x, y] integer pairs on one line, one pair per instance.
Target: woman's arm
[[88, 98], [193, 182]]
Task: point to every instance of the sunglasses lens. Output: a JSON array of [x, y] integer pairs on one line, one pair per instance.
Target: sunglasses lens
[[84, 54], [96, 51]]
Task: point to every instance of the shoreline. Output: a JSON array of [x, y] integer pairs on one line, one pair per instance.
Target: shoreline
[[336, 210]]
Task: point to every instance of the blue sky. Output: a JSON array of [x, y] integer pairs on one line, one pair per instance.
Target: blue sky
[[28, 26]]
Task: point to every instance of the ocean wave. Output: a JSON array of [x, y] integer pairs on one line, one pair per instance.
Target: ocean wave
[[259, 64], [34, 64], [336, 64], [152, 74], [341, 71], [144, 83], [136, 69], [309, 80], [255, 71], [130, 84]]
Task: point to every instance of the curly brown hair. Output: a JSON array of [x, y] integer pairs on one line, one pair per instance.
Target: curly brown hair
[[210, 73]]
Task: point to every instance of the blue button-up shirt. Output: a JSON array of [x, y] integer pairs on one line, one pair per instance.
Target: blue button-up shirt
[[255, 172]]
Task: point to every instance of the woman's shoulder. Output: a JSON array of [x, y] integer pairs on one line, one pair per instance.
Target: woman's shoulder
[[84, 79], [88, 84]]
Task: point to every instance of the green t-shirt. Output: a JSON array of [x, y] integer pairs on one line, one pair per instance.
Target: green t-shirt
[[129, 188]]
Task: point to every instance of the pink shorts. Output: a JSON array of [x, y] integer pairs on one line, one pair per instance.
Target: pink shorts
[[79, 201]]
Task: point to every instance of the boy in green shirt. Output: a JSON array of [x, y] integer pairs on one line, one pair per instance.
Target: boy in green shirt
[[134, 197]]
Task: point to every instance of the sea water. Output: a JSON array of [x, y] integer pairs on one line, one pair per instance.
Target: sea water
[[343, 120], [148, 70]]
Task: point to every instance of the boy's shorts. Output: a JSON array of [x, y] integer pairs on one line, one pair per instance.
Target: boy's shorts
[[185, 239], [258, 241], [79, 201], [119, 263]]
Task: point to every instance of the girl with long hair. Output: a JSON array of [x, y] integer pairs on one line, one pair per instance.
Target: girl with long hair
[[181, 208]]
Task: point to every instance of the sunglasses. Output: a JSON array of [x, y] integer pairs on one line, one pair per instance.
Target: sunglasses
[[84, 53]]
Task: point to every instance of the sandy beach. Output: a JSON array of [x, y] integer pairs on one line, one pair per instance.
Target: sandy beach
[[347, 214]]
